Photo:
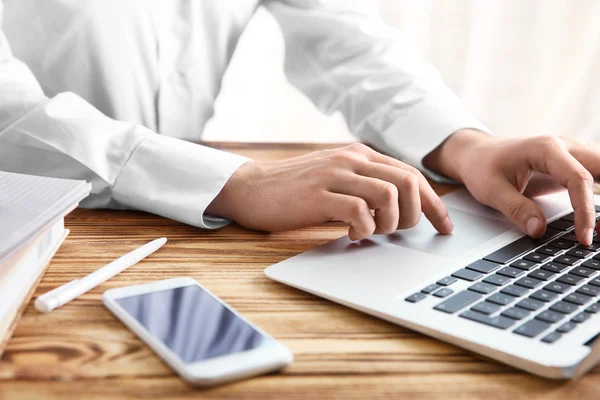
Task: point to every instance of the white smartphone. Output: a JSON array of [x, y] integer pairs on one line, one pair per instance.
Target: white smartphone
[[203, 339]]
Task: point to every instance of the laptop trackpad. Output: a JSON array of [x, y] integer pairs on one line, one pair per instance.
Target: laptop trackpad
[[470, 231]]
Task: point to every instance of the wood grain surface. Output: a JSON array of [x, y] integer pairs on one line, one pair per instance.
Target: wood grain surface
[[81, 351]]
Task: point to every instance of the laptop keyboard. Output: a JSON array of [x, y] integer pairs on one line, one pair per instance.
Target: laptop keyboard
[[538, 288]]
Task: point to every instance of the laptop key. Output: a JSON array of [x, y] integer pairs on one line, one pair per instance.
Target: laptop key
[[595, 282], [543, 295], [561, 225], [561, 244], [483, 266], [567, 327], [581, 317], [525, 265], [557, 287], [589, 290], [413, 298], [549, 316], [510, 272], [430, 289], [551, 337], [467, 274], [514, 290], [578, 253], [583, 271], [571, 279], [569, 237], [554, 267], [497, 322], [549, 234], [592, 247], [514, 249], [547, 250], [536, 257], [445, 292], [447, 281], [530, 304], [515, 313], [541, 274], [593, 309], [577, 298], [593, 264], [569, 217], [500, 298], [482, 287], [532, 328], [485, 307], [567, 260], [496, 280], [564, 308], [529, 283], [457, 302]]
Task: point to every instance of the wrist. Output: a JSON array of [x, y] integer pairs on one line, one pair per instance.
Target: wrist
[[226, 202], [452, 156]]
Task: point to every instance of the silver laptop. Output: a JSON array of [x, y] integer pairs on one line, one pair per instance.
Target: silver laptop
[[530, 303]]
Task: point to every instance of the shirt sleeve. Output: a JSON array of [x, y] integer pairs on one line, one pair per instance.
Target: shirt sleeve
[[344, 58], [128, 165]]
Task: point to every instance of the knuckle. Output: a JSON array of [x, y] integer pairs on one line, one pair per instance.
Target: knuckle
[[514, 209], [585, 177], [549, 142], [414, 171], [421, 177], [389, 193], [341, 156], [410, 181], [356, 148], [346, 158], [357, 209]]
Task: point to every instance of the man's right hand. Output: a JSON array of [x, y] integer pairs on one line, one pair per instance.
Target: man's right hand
[[343, 184]]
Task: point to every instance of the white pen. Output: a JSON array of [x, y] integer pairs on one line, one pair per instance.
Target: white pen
[[65, 293]]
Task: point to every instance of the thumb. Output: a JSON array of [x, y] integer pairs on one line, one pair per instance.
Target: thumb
[[521, 210]]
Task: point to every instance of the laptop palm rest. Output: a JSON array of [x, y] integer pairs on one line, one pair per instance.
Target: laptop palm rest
[[382, 267]]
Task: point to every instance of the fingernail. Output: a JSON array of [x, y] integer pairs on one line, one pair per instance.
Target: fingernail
[[589, 235], [532, 226], [448, 224]]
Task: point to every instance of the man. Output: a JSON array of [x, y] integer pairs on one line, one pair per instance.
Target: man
[[79, 67]]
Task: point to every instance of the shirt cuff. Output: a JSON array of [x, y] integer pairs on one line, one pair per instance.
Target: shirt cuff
[[424, 127], [176, 179]]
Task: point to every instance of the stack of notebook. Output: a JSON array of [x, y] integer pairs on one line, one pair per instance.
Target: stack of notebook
[[32, 211]]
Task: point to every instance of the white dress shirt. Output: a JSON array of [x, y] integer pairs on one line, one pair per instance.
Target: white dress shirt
[[113, 91]]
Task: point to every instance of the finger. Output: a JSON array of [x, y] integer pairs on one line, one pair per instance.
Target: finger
[[352, 210], [589, 157], [522, 211], [380, 195], [553, 158], [394, 171]]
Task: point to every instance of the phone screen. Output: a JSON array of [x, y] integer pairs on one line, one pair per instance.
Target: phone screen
[[192, 323]]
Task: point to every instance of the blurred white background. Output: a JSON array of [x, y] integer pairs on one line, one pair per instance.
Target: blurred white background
[[521, 67]]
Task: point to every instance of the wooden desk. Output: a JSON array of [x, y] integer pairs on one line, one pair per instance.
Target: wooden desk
[[81, 351]]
